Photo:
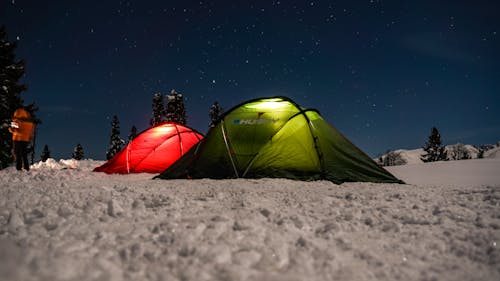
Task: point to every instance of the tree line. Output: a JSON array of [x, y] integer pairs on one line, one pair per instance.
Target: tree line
[[434, 151], [170, 108], [173, 110]]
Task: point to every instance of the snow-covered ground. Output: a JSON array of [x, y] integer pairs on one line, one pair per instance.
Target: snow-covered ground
[[472, 172], [60, 221]]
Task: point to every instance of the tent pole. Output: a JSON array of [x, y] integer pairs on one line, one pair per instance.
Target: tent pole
[[128, 151], [228, 150], [316, 147], [180, 140]]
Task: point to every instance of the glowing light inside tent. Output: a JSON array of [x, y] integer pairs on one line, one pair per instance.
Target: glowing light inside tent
[[271, 104], [162, 130], [153, 150]]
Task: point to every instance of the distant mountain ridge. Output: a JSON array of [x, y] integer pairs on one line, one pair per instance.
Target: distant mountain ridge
[[413, 156]]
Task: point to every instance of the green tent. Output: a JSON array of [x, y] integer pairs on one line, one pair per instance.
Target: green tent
[[276, 138]]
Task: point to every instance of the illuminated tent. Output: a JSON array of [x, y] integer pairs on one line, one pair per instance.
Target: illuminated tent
[[153, 150], [276, 138]]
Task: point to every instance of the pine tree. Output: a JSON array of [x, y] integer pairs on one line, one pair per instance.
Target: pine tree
[[175, 110], [45, 153], [115, 141], [11, 71], [158, 110], [380, 161], [215, 113], [434, 149], [78, 152], [132, 134], [480, 155]]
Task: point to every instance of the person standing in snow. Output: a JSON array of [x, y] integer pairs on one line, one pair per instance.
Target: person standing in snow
[[22, 128]]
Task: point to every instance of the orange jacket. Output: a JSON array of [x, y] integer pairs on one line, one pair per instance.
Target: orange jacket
[[25, 125]]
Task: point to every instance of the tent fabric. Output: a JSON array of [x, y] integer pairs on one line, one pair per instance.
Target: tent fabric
[[275, 137], [153, 150]]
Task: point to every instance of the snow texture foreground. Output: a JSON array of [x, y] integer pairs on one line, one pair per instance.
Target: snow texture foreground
[[67, 223]]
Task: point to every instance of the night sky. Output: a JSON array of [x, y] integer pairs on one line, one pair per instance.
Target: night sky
[[382, 72]]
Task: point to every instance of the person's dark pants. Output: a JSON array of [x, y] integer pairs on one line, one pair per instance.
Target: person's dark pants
[[21, 153]]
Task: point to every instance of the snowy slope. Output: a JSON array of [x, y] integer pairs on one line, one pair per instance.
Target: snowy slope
[[411, 156], [60, 221], [493, 153]]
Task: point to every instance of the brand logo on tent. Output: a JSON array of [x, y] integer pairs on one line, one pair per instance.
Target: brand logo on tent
[[254, 121], [258, 121]]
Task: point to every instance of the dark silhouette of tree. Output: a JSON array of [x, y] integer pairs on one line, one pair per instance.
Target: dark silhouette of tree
[[434, 149], [175, 110], [78, 152], [115, 141], [11, 71], [158, 110], [45, 153], [215, 113], [132, 134], [480, 155]]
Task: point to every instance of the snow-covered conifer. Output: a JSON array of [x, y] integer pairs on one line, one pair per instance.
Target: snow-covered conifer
[[45, 153], [392, 158], [132, 134], [175, 110], [11, 71], [434, 149], [78, 152], [158, 110], [215, 113], [480, 155], [459, 152], [115, 141]]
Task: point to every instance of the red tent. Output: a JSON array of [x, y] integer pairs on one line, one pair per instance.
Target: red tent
[[153, 150]]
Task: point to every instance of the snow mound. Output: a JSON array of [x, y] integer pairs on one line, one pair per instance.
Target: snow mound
[[471, 150], [52, 164], [407, 156], [412, 156]]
